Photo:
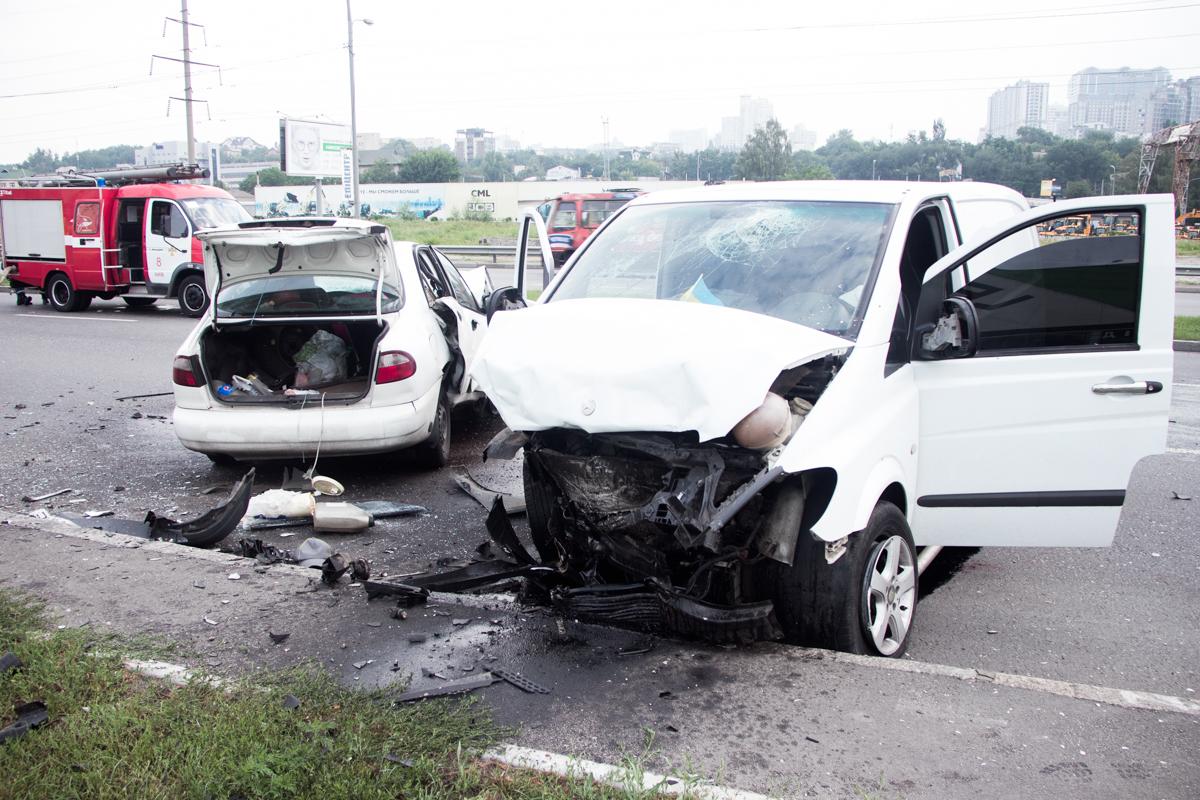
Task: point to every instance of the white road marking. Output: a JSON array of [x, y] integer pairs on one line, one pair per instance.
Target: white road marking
[[1122, 698], [1183, 451], [611, 775], [77, 317]]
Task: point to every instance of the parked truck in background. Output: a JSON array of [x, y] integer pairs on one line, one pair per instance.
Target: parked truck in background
[[127, 233], [572, 218]]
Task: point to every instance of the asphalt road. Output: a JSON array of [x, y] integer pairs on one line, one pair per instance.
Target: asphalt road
[[1120, 617]]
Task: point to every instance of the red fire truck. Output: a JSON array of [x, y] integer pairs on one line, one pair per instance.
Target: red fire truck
[[125, 233], [572, 218]]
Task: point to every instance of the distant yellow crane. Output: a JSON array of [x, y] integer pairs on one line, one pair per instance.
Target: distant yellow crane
[[1186, 139]]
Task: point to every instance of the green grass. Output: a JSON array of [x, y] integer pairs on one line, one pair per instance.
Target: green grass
[[1187, 247], [1187, 328], [450, 232], [113, 734]]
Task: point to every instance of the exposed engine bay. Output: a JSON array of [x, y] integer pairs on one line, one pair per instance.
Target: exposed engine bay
[[660, 531]]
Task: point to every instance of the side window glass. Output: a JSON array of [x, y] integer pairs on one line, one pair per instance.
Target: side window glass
[[564, 217], [925, 244], [462, 292], [87, 219], [167, 220], [431, 281], [1063, 284]]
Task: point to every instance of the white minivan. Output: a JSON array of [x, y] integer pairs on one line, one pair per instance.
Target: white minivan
[[758, 410]]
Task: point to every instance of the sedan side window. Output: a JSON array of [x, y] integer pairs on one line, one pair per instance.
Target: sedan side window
[[462, 292], [431, 281], [1041, 288]]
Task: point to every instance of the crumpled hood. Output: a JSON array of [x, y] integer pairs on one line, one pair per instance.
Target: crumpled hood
[[608, 365]]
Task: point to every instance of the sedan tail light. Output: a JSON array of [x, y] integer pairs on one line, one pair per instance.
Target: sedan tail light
[[183, 372], [395, 365]]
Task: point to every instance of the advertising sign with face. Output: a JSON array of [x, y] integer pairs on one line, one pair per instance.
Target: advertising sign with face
[[312, 149]]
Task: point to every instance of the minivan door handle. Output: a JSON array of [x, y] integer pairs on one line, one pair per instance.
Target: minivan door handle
[[1136, 387]]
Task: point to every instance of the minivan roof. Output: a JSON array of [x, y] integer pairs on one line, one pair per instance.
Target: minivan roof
[[830, 191]]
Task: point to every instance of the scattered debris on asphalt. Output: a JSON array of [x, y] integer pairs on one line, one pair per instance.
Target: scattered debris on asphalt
[[1178, 496], [333, 568], [143, 396], [39, 498], [95, 514], [278, 638], [407, 594], [514, 503], [210, 621], [29, 716], [470, 683], [207, 529]]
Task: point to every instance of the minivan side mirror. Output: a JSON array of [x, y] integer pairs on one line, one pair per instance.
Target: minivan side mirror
[[503, 299], [954, 335]]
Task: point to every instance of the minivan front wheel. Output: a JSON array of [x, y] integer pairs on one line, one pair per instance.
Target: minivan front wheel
[[865, 602]]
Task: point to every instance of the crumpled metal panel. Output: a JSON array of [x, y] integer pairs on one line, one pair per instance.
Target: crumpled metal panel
[[614, 365]]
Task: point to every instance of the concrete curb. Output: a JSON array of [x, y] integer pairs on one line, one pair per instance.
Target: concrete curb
[[1186, 346]]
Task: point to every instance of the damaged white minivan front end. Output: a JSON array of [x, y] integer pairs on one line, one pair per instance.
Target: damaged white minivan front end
[[657, 398]]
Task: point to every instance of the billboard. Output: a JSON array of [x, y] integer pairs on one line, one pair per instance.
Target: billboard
[[312, 149]]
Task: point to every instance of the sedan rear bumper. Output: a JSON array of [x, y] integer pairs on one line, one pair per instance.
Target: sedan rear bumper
[[277, 432]]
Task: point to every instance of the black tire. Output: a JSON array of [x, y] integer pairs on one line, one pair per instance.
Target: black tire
[[541, 504], [434, 452], [63, 296], [222, 459], [832, 605], [193, 297], [139, 302]]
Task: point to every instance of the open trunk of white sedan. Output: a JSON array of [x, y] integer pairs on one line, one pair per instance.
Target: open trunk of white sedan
[[289, 362]]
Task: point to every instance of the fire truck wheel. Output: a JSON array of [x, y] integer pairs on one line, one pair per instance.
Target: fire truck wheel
[[193, 299], [63, 296]]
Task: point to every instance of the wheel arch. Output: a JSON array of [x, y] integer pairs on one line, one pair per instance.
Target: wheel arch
[[183, 271]]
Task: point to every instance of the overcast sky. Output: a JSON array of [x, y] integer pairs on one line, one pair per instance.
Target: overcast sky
[[75, 74]]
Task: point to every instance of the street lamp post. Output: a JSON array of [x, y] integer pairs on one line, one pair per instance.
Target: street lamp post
[[353, 118], [872, 169], [1113, 183]]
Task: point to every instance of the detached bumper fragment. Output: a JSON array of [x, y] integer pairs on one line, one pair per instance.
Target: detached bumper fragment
[[656, 608], [210, 527]]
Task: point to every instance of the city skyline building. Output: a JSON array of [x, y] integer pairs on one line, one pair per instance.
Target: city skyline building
[[1024, 104]]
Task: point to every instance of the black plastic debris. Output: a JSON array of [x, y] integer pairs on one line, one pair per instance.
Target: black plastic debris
[[334, 568], [290, 702], [211, 526], [360, 570], [259, 550], [500, 528], [472, 576], [278, 638], [459, 686], [29, 716], [520, 681], [9, 662], [655, 608], [406, 593]]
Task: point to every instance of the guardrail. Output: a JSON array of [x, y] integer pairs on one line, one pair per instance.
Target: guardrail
[[494, 254]]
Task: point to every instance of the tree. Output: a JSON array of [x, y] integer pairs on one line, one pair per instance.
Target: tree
[[808, 166], [1078, 189], [767, 155], [939, 130], [496, 167], [273, 176], [430, 166], [379, 172]]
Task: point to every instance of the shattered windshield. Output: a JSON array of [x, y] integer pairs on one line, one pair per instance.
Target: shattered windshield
[[214, 212], [805, 262], [306, 296]]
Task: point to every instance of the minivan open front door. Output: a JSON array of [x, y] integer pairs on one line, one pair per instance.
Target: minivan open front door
[[1029, 437], [533, 250]]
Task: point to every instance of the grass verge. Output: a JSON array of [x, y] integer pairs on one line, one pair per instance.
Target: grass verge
[[450, 231], [1187, 328], [1187, 247], [113, 734]]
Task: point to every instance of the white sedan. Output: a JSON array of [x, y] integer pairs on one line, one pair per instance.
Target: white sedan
[[326, 336]]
